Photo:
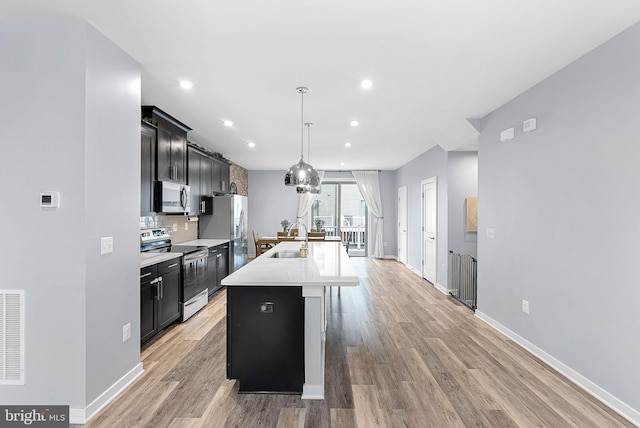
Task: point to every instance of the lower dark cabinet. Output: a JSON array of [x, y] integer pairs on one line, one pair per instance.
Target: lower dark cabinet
[[147, 305], [160, 287], [217, 267], [265, 338]]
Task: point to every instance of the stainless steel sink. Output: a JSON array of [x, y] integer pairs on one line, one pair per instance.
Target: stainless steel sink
[[286, 255]]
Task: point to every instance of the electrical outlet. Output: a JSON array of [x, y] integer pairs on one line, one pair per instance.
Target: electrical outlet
[[525, 306], [126, 332], [186, 226], [491, 233], [106, 245], [175, 227], [443, 267]]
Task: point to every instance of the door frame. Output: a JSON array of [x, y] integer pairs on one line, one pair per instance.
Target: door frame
[[431, 180], [406, 219]]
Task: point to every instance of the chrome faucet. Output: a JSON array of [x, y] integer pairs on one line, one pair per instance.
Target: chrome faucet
[[306, 232]]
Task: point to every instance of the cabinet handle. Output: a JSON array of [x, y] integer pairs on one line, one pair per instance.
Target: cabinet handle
[[146, 274], [156, 287], [202, 207], [157, 283], [161, 288], [219, 255], [173, 265]]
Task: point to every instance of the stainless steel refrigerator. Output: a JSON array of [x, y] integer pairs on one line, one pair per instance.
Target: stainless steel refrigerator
[[228, 221]]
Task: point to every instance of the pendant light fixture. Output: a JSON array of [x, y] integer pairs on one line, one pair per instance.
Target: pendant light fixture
[[302, 175], [316, 179]]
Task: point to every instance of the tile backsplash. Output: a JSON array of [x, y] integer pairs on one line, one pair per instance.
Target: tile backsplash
[[183, 228]]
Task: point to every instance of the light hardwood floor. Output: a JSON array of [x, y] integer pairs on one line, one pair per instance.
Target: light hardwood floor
[[399, 354]]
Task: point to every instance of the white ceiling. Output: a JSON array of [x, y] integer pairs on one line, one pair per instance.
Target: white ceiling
[[434, 63]]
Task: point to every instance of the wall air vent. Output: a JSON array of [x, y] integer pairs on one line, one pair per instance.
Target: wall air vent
[[11, 337]]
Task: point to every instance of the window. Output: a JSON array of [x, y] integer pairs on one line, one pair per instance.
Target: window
[[341, 211]]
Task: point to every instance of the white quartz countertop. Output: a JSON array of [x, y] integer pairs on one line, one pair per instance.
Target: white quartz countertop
[[148, 259], [206, 242], [327, 264]]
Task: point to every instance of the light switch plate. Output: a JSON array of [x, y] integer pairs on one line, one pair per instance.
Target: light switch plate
[[529, 125], [106, 245], [507, 135], [491, 233]]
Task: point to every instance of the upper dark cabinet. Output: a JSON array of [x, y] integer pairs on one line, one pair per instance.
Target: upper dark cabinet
[[223, 181], [171, 146], [200, 179], [147, 167]]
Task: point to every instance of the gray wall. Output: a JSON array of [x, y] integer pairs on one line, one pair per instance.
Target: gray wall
[[389, 196], [66, 128], [563, 202], [432, 163], [462, 183], [270, 201], [112, 174]]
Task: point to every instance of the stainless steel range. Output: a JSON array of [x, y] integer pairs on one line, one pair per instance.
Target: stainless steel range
[[194, 294]]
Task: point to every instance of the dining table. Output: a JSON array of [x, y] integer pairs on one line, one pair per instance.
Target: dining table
[[274, 240]]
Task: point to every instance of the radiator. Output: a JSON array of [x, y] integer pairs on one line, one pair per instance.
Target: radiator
[[463, 280]]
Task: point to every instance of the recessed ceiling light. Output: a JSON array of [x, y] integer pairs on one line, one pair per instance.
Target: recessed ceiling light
[[228, 123], [354, 123], [366, 84], [347, 144], [341, 163], [251, 144], [185, 84]]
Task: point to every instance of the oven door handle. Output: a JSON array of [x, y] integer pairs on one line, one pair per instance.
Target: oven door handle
[[196, 256]]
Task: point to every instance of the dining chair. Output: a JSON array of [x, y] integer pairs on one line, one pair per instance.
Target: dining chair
[[260, 247]]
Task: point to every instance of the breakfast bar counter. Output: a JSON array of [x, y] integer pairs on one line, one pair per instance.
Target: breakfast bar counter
[[264, 291]]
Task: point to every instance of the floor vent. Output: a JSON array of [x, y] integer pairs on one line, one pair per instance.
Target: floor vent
[[11, 337]]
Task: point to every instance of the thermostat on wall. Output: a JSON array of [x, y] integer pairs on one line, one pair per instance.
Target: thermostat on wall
[[50, 199]]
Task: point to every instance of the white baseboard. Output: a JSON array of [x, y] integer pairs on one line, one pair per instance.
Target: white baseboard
[[414, 270], [81, 416], [391, 257], [441, 289], [312, 392], [623, 409]]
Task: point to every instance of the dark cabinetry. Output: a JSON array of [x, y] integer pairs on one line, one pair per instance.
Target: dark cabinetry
[[171, 145], [200, 180], [265, 338], [220, 176], [160, 286], [217, 267], [147, 167]]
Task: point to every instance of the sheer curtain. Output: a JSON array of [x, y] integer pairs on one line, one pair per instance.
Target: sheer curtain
[[305, 202], [369, 186]]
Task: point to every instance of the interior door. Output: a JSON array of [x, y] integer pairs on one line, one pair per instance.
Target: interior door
[[429, 229], [402, 224]]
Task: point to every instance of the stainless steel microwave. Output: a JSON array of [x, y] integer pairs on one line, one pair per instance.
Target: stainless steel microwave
[[171, 198]]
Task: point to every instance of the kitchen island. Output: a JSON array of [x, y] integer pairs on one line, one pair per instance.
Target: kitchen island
[[281, 271]]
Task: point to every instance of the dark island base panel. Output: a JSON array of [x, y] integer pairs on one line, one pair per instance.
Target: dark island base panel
[[265, 339]]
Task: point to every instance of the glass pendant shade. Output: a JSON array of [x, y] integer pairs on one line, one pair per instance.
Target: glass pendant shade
[[302, 175]]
